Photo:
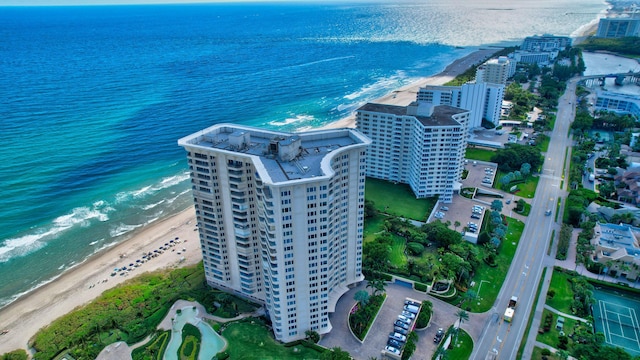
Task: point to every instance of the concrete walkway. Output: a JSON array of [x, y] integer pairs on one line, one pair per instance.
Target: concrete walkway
[[552, 349], [564, 314]]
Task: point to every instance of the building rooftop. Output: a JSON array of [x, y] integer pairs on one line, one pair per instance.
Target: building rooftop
[[442, 114], [616, 237], [279, 157]]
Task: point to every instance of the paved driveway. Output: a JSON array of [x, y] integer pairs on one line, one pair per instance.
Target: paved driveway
[[374, 343]]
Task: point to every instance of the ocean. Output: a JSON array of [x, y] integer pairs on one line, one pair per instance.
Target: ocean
[[94, 98]]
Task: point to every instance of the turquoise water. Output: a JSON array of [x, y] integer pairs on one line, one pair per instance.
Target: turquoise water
[[211, 344], [94, 98]]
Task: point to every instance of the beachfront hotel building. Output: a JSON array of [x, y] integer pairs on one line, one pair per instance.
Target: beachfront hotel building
[[496, 71], [280, 218], [421, 145], [483, 100], [545, 43], [618, 102]]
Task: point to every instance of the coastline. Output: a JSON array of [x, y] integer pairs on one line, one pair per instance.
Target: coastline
[[406, 94], [83, 283]]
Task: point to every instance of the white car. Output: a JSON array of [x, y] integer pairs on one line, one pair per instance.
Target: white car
[[398, 337], [392, 350]]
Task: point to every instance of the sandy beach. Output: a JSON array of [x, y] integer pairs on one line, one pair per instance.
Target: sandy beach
[[79, 285]]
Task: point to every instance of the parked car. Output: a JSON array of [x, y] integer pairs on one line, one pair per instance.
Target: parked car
[[475, 216], [392, 350], [409, 302], [398, 337], [400, 330], [404, 319], [444, 208], [408, 314], [395, 343], [439, 335], [401, 324], [411, 308]]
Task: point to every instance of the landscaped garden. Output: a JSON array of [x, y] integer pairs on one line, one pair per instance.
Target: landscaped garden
[[481, 154], [130, 312]]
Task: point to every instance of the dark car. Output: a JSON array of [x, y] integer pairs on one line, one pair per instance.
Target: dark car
[[395, 343], [400, 330], [401, 324], [439, 335]]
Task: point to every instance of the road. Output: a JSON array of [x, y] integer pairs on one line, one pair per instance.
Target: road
[[531, 256]]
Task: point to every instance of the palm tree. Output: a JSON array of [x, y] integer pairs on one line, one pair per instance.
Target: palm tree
[[462, 317], [377, 284], [362, 297], [456, 224]]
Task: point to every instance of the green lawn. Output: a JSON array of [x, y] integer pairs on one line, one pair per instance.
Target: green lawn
[[563, 296], [463, 348], [474, 153], [397, 199], [537, 354], [489, 279], [551, 337], [372, 227], [543, 142], [252, 340], [397, 256], [526, 189]]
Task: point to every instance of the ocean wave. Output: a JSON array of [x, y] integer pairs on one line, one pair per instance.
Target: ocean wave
[[151, 206], [381, 86], [293, 120], [122, 229], [147, 190], [28, 243]]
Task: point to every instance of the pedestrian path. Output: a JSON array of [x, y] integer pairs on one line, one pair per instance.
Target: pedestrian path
[[552, 349], [565, 315]]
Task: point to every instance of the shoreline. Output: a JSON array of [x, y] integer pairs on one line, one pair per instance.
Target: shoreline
[[26, 315], [78, 286]]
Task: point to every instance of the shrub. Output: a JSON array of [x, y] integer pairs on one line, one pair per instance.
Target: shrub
[[415, 248]]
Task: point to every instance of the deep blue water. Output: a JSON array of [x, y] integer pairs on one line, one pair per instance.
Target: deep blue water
[[94, 98]]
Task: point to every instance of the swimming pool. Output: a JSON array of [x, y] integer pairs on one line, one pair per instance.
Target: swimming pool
[[211, 344]]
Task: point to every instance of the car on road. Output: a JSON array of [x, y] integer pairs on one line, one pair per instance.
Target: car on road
[[392, 350], [548, 212], [439, 335], [401, 324]]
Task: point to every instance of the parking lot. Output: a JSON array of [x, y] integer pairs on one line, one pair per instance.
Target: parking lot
[[376, 340]]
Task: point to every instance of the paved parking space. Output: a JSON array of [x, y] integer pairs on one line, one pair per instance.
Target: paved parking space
[[443, 316]]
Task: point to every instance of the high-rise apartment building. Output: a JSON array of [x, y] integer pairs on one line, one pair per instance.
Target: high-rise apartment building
[[280, 218], [483, 100], [421, 145], [619, 27], [496, 71]]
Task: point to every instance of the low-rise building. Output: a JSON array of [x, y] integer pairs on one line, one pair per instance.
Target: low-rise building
[[540, 43], [617, 248]]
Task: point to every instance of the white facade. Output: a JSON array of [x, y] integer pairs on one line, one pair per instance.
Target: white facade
[[540, 58], [618, 103], [496, 71], [280, 218], [483, 100], [421, 145], [545, 43]]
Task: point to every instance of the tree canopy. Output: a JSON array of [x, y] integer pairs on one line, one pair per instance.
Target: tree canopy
[[513, 156]]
